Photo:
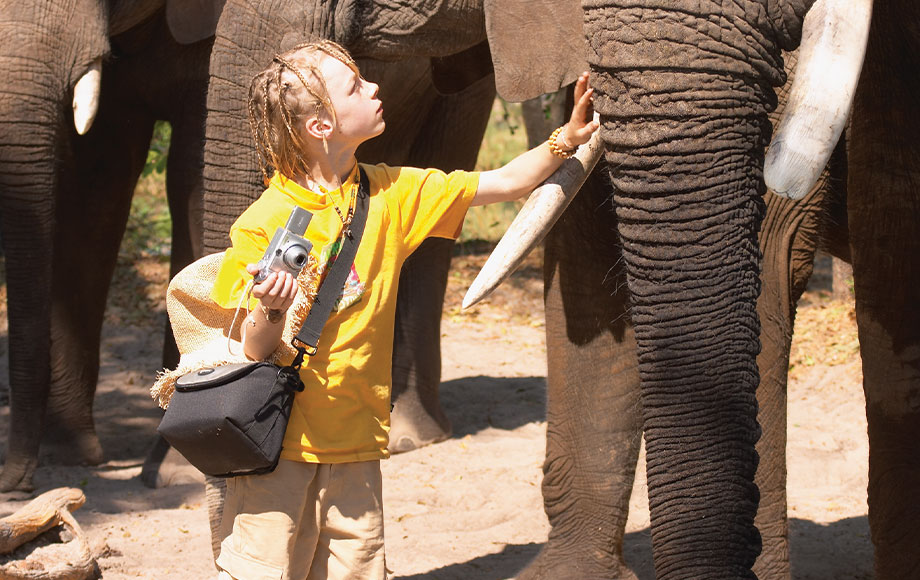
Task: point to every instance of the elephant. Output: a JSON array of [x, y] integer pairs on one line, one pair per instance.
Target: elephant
[[109, 70], [592, 364], [673, 278]]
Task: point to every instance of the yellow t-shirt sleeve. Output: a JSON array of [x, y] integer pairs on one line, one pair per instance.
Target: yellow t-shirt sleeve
[[433, 203], [248, 246]]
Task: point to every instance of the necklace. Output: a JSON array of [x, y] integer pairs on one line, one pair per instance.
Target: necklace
[[346, 219]]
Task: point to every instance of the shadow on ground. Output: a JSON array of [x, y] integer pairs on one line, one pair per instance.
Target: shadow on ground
[[514, 558], [477, 403], [839, 550], [504, 564]]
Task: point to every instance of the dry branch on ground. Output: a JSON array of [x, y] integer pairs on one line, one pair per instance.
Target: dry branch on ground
[[43, 541]]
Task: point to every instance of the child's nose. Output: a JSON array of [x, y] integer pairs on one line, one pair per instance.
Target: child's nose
[[374, 88]]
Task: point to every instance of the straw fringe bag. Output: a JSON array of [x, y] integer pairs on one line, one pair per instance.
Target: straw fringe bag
[[229, 414], [203, 328]]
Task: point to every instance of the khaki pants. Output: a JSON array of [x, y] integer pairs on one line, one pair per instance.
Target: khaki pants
[[305, 521]]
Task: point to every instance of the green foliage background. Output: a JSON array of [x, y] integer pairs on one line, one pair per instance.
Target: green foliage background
[[149, 225]]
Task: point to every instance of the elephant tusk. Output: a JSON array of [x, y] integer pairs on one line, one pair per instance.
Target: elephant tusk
[[834, 37], [537, 216], [86, 97]]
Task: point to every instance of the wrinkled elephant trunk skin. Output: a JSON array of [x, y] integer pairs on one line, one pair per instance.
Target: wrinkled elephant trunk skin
[[684, 148], [27, 231], [33, 119], [699, 316]]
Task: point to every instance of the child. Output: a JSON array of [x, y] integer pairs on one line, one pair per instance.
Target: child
[[318, 514]]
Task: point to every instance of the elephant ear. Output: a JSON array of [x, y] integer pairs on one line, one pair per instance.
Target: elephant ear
[[193, 20], [537, 46], [453, 74]]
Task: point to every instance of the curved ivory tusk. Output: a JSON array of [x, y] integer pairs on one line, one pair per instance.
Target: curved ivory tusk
[[833, 47], [86, 97], [537, 216]]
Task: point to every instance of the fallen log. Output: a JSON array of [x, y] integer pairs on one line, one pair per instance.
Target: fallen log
[[43, 541]]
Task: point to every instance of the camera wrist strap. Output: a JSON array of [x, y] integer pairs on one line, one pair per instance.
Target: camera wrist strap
[[333, 285]]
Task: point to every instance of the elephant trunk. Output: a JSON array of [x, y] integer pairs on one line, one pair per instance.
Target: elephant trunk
[[34, 102], [692, 261], [27, 168], [232, 179], [684, 121]]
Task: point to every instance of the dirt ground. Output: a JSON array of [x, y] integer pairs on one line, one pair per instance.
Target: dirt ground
[[469, 507]]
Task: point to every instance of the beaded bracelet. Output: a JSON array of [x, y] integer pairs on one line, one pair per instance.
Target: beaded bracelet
[[555, 149]]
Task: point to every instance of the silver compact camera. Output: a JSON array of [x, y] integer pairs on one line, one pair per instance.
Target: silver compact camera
[[288, 250]]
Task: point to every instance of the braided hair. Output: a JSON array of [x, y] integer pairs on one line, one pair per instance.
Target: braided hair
[[291, 87]]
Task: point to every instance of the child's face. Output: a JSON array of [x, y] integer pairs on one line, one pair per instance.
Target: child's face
[[357, 109]]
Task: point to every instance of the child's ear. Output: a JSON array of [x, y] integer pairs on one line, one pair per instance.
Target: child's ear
[[319, 127]]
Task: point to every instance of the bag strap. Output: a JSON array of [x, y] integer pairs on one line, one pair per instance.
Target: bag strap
[[333, 285]]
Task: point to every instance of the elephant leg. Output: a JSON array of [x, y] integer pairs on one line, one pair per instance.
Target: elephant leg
[[449, 139], [183, 103], [185, 192], [418, 418], [883, 202], [164, 466], [788, 239], [593, 411], [886, 275], [92, 213]]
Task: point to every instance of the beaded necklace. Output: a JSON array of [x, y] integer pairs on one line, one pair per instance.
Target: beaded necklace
[[346, 219], [352, 201]]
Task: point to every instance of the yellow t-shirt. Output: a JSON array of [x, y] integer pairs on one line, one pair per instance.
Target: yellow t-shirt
[[343, 413]]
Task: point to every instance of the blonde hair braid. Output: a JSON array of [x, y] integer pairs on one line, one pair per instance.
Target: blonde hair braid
[[275, 103]]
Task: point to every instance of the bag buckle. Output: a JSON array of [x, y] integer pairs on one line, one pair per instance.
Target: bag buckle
[[302, 351], [303, 347]]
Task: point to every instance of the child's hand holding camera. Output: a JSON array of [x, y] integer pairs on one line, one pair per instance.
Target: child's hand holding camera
[[276, 293]]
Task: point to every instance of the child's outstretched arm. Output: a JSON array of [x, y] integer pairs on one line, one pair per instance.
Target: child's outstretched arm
[[528, 170]]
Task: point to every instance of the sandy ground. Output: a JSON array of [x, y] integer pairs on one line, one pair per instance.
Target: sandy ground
[[470, 507]]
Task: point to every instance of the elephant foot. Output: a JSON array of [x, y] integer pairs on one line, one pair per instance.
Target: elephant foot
[[412, 425], [565, 564], [73, 449], [17, 476], [165, 467]]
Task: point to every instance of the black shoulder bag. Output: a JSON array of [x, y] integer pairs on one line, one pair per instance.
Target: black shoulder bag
[[230, 420]]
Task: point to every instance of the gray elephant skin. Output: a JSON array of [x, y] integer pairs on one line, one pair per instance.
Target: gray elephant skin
[[660, 257], [65, 197]]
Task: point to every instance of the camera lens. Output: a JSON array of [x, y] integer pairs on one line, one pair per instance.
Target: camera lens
[[295, 257]]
